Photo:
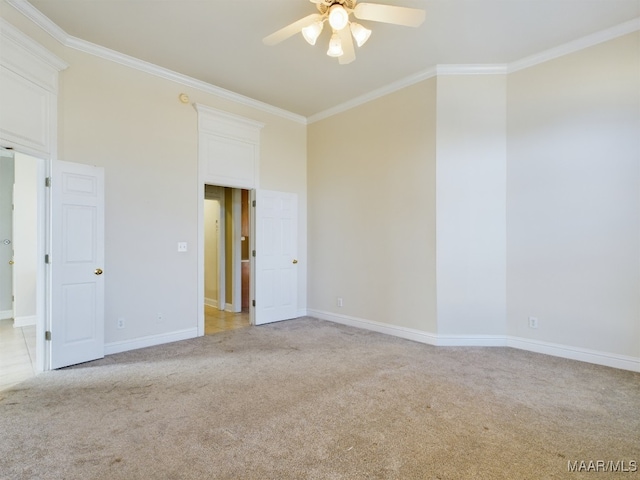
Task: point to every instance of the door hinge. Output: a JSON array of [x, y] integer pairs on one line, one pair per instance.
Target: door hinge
[[253, 203], [47, 182], [253, 253], [47, 259], [253, 302], [47, 335]]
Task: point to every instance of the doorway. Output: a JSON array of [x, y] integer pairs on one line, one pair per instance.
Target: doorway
[[226, 259], [21, 218]]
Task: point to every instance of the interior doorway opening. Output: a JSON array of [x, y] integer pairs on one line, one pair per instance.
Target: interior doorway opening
[[21, 276], [226, 259]]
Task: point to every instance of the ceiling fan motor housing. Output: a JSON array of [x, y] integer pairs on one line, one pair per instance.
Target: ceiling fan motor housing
[[324, 7]]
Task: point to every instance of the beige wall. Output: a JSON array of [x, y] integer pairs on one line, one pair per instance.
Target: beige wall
[[372, 210], [132, 124], [573, 209]]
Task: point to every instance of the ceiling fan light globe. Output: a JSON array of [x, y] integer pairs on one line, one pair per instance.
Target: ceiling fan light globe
[[360, 34], [335, 46], [338, 17], [312, 32]]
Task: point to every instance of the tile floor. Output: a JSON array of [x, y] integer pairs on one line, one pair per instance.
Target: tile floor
[[216, 321], [17, 353], [18, 345]]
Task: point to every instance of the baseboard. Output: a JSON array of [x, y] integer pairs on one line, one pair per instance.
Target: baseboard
[[5, 314], [302, 312], [150, 341], [396, 331], [557, 350], [575, 353], [26, 321], [211, 302]]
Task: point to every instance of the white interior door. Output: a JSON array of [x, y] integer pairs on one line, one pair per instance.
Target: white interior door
[[77, 280], [276, 273]]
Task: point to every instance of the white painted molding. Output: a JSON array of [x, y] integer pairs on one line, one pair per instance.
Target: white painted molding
[[27, 321], [575, 353], [553, 349], [6, 314], [378, 93], [480, 69], [218, 122], [576, 45], [70, 41], [10, 32], [477, 69], [150, 341], [211, 302], [29, 11], [394, 330]]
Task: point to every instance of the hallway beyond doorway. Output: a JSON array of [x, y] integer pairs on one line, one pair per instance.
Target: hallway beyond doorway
[[216, 321]]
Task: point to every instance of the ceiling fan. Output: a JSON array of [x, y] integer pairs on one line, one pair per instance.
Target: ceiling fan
[[344, 31]]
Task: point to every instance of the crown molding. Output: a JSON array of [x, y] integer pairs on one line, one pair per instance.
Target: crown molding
[[33, 14], [486, 69], [472, 69], [10, 32], [576, 45], [374, 94]]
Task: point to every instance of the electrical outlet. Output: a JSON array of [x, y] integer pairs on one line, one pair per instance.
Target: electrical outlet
[[533, 322], [339, 301], [121, 322]]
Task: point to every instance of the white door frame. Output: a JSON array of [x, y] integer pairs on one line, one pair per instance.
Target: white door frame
[[236, 275]]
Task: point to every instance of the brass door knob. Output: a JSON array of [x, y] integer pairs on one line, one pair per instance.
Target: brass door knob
[[11, 262], [98, 271], [295, 261]]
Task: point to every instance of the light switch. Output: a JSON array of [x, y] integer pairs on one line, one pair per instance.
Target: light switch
[[182, 246]]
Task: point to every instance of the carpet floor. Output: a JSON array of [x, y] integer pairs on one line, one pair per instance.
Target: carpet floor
[[309, 399]]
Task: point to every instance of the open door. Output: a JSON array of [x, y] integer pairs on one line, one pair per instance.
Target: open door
[[276, 241], [77, 260]]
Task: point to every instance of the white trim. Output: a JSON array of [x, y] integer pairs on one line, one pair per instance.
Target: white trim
[[6, 314], [576, 45], [394, 330], [33, 47], [471, 69], [373, 95], [557, 350], [70, 41], [576, 353], [28, 321], [149, 341], [211, 302]]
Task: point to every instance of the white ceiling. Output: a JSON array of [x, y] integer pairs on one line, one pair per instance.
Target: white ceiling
[[219, 41]]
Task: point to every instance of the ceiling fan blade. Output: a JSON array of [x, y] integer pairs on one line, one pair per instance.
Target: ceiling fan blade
[[291, 29], [349, 52], [409, 17]]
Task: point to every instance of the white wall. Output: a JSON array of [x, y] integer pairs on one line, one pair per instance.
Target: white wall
[[470, 185], [25, 244], [573, 202]]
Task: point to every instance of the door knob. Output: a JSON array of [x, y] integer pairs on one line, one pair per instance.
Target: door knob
[[295, 261], [98, 271], [11, 262]]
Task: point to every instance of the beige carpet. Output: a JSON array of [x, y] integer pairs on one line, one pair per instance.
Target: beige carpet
[[308, 399]]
